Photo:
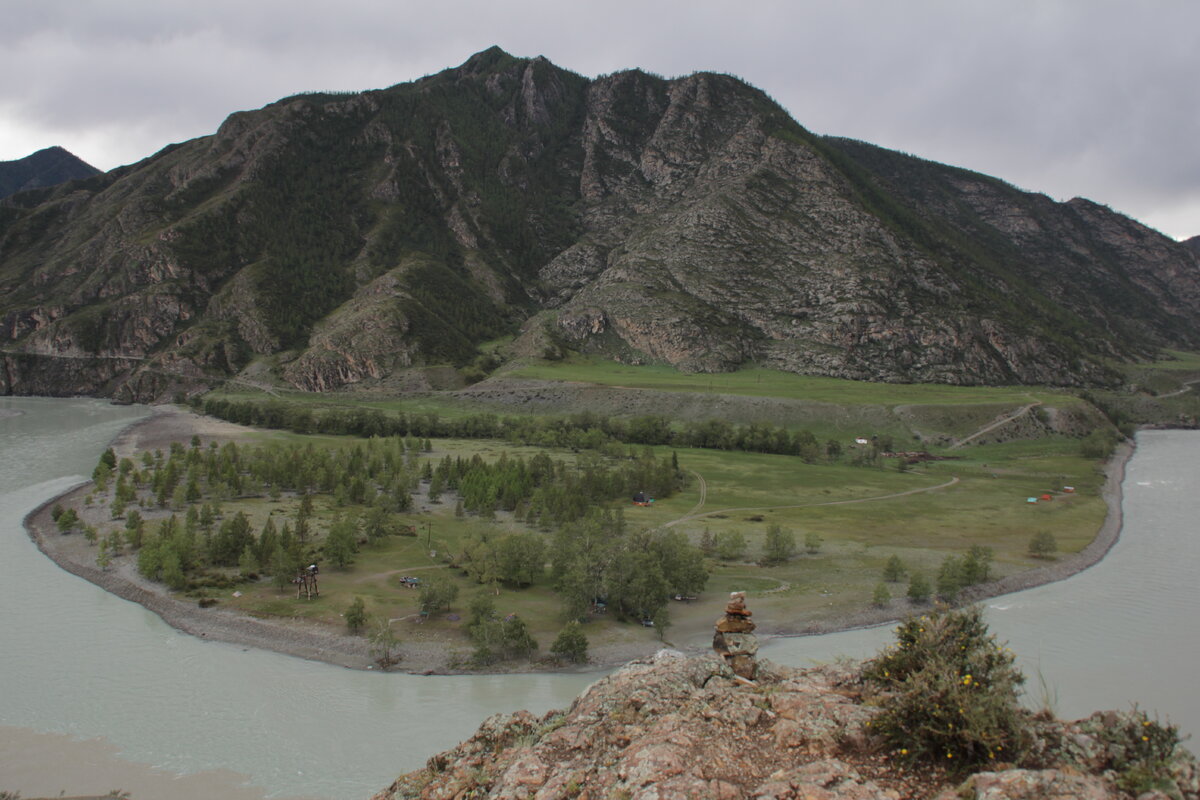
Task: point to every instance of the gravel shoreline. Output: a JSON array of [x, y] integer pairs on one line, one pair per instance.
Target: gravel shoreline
[[315, 642]]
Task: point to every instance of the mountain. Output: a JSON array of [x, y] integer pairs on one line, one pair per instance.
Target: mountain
[[48, 167], [1193, 244], [344, 238]]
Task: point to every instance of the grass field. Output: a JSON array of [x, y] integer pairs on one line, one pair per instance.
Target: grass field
[[864, 515]]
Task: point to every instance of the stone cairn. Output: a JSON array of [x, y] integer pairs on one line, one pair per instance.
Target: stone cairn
[[735, 640]]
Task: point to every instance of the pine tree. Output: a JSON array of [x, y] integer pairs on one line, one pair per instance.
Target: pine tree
[[356, 615], [918, 588]]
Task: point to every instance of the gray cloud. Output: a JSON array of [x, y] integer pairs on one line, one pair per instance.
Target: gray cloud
[[1081, 97]]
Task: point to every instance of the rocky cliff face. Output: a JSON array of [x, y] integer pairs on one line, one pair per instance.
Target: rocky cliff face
[[684, 221], [674, 727]]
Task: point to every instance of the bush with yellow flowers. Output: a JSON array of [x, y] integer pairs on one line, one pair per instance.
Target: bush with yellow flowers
[[949, 693]]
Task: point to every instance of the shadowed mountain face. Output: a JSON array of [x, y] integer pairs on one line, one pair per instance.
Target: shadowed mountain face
[[686, 221], [48, 167]]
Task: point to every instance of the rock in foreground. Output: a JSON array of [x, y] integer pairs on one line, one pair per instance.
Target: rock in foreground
[[676, 727]]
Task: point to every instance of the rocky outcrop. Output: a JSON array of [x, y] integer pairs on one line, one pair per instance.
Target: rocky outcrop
[[685, 221], [676, 727]]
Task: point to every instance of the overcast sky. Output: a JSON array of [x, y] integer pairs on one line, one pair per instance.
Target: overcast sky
[[1092, 98]]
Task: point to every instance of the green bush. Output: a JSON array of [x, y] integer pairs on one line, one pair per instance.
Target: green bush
[[949, 693], [1141, 752]]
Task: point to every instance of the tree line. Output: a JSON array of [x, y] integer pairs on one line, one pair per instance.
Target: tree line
[[584, 430]]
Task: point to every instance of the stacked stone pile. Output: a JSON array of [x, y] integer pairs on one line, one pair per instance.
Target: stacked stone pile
[[735, 640]]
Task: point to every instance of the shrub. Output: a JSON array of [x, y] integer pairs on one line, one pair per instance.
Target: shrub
[[1141, 751], [571, 644], [950, 693], [1043, 545]]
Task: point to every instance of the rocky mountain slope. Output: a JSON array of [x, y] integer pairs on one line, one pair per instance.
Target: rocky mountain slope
[[345, 238], [674, 727], [48, 167]]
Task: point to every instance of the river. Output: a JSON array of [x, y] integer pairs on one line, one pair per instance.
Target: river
[[76, 660]]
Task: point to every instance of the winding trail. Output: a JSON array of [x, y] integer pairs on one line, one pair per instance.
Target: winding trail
[[991, 426], [1187, 387], [703, 484]]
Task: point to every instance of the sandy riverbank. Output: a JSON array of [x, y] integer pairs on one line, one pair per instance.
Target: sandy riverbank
[[316, 642]]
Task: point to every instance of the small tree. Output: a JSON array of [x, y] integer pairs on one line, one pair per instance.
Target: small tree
[[356, 615], [778, 546], [731, 545], [247, 562], [882, 596], [813, 542], [977, 565], [893, 570], [437, 594], [950, 580], [103, 558], [918, 588], [518, 642], [1043, 545], [67, 520], [341, 543], [571, 644], [384, 644]]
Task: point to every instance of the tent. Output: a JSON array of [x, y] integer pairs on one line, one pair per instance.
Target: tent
[[642, 499]]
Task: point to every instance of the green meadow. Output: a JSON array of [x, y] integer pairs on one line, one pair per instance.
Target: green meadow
[[862, 514], [855, 509]]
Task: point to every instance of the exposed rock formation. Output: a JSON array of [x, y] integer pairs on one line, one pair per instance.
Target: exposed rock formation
[[685, 221], [674, 727]]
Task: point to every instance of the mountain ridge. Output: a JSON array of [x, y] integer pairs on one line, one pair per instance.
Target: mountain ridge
[[49, 166], [346, 238]]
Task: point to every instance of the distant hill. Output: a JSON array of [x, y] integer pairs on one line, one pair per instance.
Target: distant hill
[[340, 239], [48, 167], [1194, 244]]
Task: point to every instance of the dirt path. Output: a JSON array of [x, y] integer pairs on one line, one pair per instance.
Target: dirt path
[[1187, 387], [690, 516], [703, 484], [401, 571], [991, 426]]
